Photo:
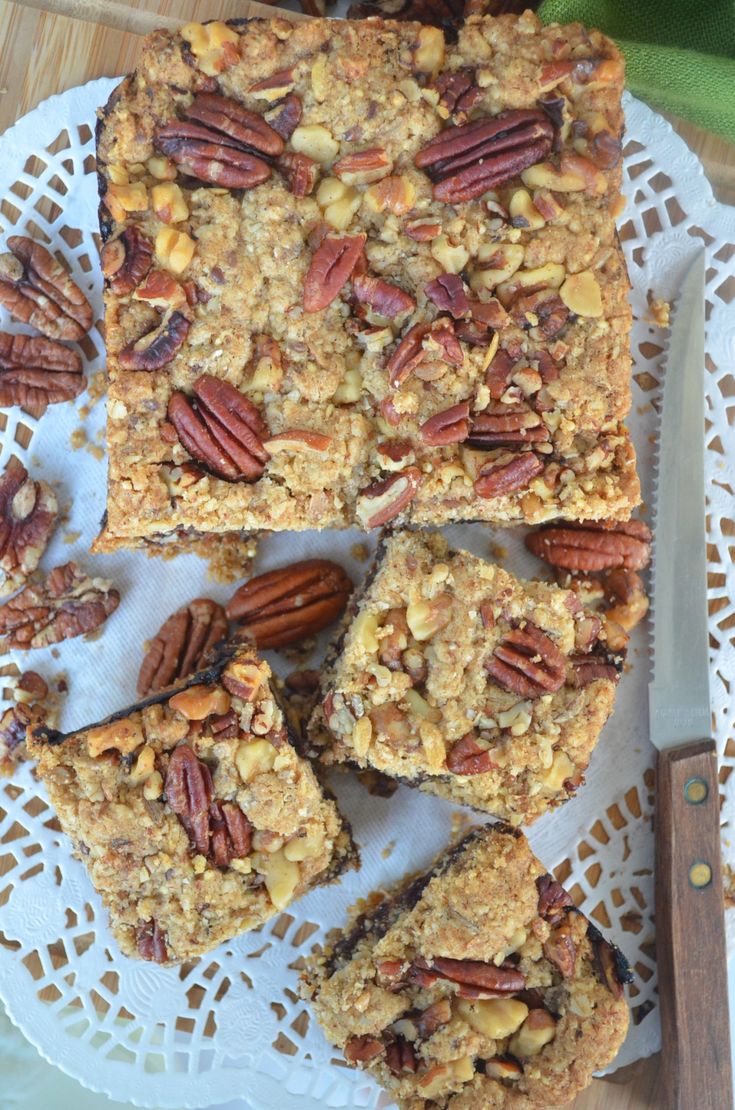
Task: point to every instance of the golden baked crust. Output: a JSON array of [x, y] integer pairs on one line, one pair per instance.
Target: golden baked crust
[[410, 690], [367, 83], [397, 990], [192, 812]]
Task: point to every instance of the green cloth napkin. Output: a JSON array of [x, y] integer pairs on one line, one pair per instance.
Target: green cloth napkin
[[680, 54]]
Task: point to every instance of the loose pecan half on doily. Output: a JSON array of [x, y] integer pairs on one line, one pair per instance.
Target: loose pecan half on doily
[[466, 161], [158, 347], [527, 662], [28, 515], [219, 142], [284, 606], [182, 644], [126, 260], [37, 372], [37, 290], [221, 429], [593, 545], [67, 604]]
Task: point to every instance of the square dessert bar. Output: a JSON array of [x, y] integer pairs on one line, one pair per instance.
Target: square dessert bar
[[192, 812], [454, 676], [477, 984], [357, 273]]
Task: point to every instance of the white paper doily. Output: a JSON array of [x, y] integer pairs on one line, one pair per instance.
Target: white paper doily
[[230, 1026]]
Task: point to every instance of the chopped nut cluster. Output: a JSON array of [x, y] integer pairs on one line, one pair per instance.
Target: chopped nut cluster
[[455, 677], [403, 306], [194, 796], [476, 984]]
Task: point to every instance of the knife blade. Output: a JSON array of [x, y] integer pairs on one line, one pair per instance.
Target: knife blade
[[690, 928]]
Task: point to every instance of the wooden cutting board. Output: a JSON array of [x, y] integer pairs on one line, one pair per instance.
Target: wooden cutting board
[[52, 45]]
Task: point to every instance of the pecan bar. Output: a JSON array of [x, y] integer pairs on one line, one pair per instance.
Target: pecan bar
[[357, 273], [193, 813], [454, 676], [477, 984]]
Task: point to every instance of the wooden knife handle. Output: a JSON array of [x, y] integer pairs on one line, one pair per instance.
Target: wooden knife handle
[[696, 1069]]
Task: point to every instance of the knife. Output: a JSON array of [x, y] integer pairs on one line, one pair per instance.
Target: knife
[[696, 1069]]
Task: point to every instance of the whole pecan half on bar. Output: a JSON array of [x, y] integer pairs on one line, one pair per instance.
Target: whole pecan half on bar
[[230, 833], [384, 500], [382, 297], [300, 172], [221, 429], [593, 545], [158, 347], [223, 144], [151, 942], [284, 606], [503, 476], [28, 515], [67, 604], [188, 790], [37, 372], [476, 979], [502, 425], [467, 161], [450, 426], [126, 260], [468, 757], [527, 662], [331, 267], [37, 290], [182, 644]]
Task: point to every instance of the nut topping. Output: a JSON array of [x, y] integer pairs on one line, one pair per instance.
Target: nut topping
[[458, 94], [152, 942], [158, 347], [499, 478], [587, 668], [400, 1056], [553, 900], [468, 757], [300, 172], [502, 425], [67, 604], [230, 833], [28, 514], [592, 545], [487, 978], [331, 267], [527, 662], [126, 260], [449, 295], [285, 606], [37, 290], [467, 161], [360, 1050], [188, 789], [450, 426], [37, 372], [182, 644], [419, 342], [221, 429], [363, 167], [384, 299], [560, 949], [383, 501], [286, 116]]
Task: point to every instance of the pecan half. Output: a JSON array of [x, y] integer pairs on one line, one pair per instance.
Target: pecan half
[[468, 757], [476, 974], [541, 311], [221, 429], [592, 546], [506, 426], [28, 514], [450, 426], [593, 666], [467, 161], [527, 662], [300, 172], [553, 900], [287, 605], [331, 267], [182, 644], [151, 942], [37, 372], [449, 295], [188, 790], [560, 949], [458, 93], [37, 290], [286, 116], [417, 344], [382, 297], [433, 1017], [158, 347], [360, 1050], [126, 260], [500, 477], [67, 604], [28, 712], [498, 373], [383, 501], [230, 833], [222, 146], [400, 1056], [363, 167]]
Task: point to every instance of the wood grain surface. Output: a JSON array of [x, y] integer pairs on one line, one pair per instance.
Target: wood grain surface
[[48, 46]]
